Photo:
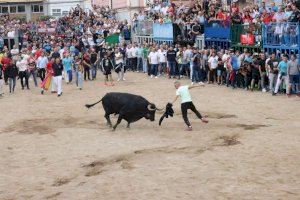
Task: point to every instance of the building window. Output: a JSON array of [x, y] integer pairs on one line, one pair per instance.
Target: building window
[[37, 8], [12, 9], [4, 9], [56, 12], [21, 9], [65, 12]]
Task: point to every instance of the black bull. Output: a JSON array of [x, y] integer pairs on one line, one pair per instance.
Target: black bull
[[129, 107]]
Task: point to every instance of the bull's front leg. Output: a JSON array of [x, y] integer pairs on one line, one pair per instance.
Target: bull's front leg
[[118, 122]]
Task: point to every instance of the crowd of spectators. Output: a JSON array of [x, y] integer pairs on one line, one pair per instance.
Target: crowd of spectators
[[191, 18], [78, 47]]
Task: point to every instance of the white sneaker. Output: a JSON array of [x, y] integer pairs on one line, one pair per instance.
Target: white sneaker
[[192, 83], [137, 71], [201, 82], [156, 77], [123, 79], [151, 76], [264, 90], [118, 80]]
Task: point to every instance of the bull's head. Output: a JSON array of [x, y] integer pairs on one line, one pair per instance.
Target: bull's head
[[151, 112]]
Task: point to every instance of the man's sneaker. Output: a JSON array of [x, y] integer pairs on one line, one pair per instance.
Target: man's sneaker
[[264, 90], [118, 80], [156, 77], [124, 79], [204, 120], [151, 76], [192, 83], [189, 128], [273, 93]]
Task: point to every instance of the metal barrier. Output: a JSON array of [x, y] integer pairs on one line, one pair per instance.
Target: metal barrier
[[217, 43], [142, 27], [200, 42], [283, 38], [167, 42], [281, 34], [141, 39]]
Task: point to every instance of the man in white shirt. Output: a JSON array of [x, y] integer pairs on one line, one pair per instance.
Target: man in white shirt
[[187, 103], [153, 60], [14, 52], [213, 64], [22, 65], [129, 57], [41, 64], [162, 54]]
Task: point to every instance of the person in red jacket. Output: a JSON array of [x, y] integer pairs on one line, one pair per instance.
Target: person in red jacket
[[48, 79], [4, 62]]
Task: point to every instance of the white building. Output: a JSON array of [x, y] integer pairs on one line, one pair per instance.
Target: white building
[[62, 7]]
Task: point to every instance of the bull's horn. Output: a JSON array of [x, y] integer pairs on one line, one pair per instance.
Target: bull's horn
[[160, 109], [149, 108]]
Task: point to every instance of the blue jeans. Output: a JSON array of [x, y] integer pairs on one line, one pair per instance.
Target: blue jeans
[[33, 73], [139, 64], [162, 67], [94, 71], [70, 75], [196, 76], [191, 69], [154, 68], [172, 65], [79, 79], [145, 65], [184, 67]]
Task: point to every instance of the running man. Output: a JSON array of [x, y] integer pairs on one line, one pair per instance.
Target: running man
[[186, 102]]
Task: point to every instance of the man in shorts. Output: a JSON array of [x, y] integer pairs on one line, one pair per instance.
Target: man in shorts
[[186, 102], [107, 66]]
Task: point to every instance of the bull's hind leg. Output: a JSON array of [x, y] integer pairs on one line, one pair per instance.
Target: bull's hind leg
[[128, 124], [108, 119], [118, 122]]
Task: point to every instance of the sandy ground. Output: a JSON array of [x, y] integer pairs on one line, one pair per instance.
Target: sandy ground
[[54, 148]]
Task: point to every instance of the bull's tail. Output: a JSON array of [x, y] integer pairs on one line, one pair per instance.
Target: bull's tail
[[91, 105]]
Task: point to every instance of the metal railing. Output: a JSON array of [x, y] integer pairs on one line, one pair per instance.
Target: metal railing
[[282, 34], [142, 27]]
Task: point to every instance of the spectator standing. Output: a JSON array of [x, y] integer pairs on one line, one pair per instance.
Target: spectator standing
[[22, 65], [213, 64], [293, 71], [171, 60], [12, 73], [41, 64], [282, 75], [67, 63], [153, 60], [94, 61], [273, 71], [57, 76]]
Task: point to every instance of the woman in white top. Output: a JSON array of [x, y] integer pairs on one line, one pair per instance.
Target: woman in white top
[[119, 65]]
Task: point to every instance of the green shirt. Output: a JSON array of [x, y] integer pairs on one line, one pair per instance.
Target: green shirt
[[145, 52]]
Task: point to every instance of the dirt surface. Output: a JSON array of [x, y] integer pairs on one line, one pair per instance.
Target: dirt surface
[[54, 148]]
